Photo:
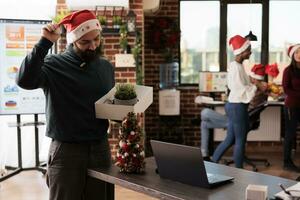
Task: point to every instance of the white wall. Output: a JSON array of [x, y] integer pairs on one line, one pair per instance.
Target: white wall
[[8, 141]]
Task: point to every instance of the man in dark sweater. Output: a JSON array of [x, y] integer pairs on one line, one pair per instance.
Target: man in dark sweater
[[72, 82]]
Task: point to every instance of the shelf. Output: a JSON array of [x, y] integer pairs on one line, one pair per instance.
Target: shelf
[[115, 31]]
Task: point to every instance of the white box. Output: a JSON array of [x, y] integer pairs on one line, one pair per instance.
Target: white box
[[106, 110], [256, 192]]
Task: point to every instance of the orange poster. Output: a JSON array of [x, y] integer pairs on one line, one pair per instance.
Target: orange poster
[[15, 33], [14, 46]]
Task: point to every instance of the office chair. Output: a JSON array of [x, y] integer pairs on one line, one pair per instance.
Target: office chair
[[254, 122]]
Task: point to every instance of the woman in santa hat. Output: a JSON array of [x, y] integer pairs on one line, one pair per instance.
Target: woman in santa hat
[[210, 119], [291, 87], [242, 90]]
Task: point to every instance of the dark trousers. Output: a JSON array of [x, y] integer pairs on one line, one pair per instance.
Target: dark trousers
[[292, 117], [67, 170]]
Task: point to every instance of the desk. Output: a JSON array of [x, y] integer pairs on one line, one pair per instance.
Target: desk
[[151, 184], [270, 125]]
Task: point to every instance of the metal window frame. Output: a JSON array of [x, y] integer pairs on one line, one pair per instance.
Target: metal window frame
[[223, 32]]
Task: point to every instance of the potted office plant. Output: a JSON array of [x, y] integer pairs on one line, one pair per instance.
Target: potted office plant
[[130, 155], [103, 20], [117, 21], [125, 94], [59, 16]]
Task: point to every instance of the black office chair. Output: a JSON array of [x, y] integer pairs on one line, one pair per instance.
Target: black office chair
[[254, 122]]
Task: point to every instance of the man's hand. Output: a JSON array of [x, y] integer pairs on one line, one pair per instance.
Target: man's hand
[[51, 32]]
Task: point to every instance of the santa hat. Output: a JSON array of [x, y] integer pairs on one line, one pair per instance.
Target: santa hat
[[292, 49], [238, 44], [258, 72], [272, 70], [79, 23]]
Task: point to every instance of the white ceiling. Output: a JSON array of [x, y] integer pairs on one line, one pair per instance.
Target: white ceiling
[[90, 4], [27, 9]]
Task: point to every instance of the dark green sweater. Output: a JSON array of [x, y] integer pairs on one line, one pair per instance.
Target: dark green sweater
[[71, 91]]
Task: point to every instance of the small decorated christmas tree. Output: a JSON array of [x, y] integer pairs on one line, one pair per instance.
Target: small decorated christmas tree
[[130, 155]]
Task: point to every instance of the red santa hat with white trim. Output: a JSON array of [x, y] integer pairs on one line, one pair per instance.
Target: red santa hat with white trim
[[292, 49], [258, 72], [238, 44], [79, 23]]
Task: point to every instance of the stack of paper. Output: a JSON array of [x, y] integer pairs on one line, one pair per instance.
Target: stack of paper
[[294, 191]]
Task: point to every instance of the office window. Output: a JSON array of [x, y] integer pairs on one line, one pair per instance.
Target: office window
[[241, 18], [284, 31], [200, 29]]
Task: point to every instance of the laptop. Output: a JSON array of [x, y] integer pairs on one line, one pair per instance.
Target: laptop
[[184, 164]]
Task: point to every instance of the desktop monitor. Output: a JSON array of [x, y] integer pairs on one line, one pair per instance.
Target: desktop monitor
[[212, 81]]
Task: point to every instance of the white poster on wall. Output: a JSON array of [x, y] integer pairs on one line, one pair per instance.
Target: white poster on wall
[[17, 38], [169, 102]]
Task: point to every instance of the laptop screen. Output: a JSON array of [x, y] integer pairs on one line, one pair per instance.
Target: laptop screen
[[181, 163]]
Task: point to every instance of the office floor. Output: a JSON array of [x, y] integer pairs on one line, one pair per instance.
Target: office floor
[[30, 185]]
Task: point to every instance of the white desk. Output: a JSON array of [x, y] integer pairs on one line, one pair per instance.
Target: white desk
[[270, 125]]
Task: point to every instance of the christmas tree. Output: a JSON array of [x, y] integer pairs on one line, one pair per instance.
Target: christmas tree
[[130, 155]]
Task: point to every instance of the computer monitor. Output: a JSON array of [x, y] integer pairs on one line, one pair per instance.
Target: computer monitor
[[212, 81]]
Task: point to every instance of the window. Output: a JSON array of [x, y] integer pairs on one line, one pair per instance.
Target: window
[[241, 18], [200, 29], [204, 46], [284, 31]]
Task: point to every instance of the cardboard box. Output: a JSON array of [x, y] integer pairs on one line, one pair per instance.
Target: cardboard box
[[106, 110], [256, 192]]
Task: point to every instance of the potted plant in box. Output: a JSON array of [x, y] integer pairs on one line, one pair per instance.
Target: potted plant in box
[[125, 94], [103, 21], [117, 21]]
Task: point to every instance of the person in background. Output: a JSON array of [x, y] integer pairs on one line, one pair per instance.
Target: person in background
[[291, 87], [242, 90], [211, 119], [72, 82]]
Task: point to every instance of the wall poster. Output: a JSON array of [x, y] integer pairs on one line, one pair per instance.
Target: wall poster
[[17, 38], [212, 81]]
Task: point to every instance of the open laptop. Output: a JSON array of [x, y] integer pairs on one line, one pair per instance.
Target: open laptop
[[184, 164]]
